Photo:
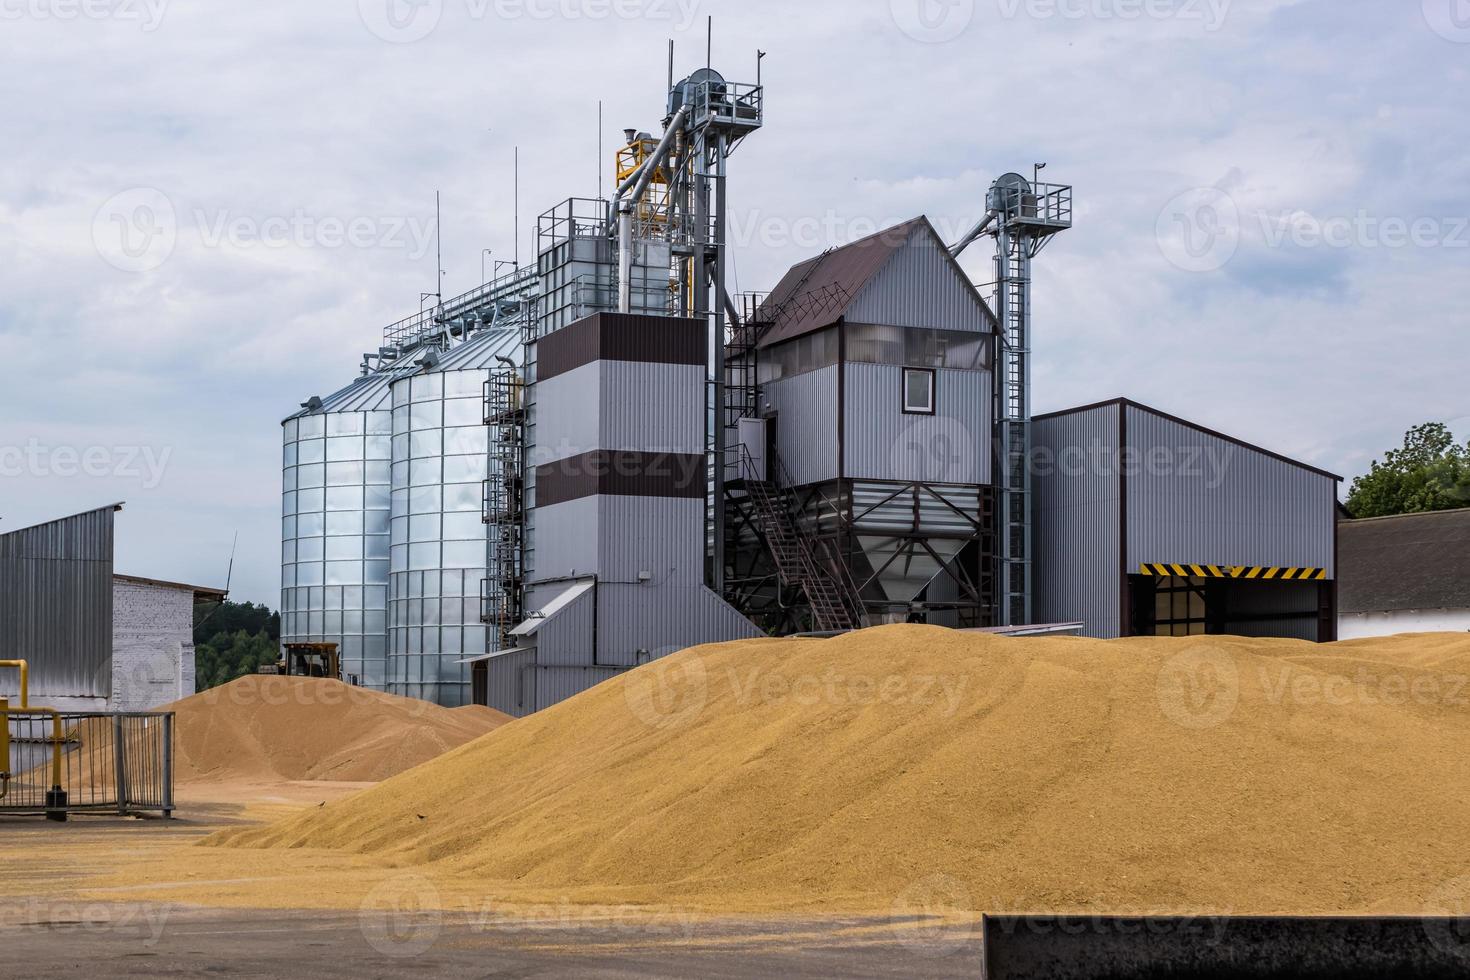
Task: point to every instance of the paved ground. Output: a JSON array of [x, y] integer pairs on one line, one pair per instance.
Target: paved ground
[[47, 938]]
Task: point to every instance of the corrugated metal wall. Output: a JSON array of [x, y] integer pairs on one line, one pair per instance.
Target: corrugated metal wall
[[574, 552], [56, 605], [668, 414], [636, 534], [1194, 497], [566, 638], [920, 286], [951, 446], [806, 423], [1077, 565], [510, 683], [1272, 599], [566, 415], [663, 621]]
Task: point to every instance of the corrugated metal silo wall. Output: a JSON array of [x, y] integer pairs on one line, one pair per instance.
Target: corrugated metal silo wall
[[1194, 497], [806, 424], [883, 443], [56, 605], [1078, 567]]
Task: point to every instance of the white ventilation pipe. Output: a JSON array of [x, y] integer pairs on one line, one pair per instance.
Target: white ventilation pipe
[[975, 233], [628, 196]]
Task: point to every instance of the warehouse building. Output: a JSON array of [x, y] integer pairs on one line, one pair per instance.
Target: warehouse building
[[603, 456], [1405, 574], [1149, 525], [94, 640]]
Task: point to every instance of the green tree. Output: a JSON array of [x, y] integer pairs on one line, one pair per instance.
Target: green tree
[[1431, 472], [214, 618], [230, 656]]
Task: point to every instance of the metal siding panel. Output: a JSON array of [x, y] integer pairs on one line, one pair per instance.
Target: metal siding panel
[[567, 415], [56, 605], [920, 286], [953, 446], [653, 407], [566, 639], [1077, 539], [557, 684], [509, 686], [806, 424], [567, 542], [663, 536], [663, 621], [1220, 503]]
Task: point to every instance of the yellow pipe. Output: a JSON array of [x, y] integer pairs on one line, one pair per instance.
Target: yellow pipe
[[25, 679], [4, 747], [57, 738]]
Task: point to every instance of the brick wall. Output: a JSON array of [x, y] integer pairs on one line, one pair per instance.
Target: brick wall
[[152, 645]]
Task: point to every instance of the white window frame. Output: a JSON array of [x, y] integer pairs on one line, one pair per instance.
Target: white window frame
[[932, 406]]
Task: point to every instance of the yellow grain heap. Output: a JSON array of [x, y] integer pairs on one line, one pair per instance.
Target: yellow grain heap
[[1039, 774], [269, 729]]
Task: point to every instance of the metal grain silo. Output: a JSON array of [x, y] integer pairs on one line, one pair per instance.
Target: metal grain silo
[[334, 527], [438, 536]]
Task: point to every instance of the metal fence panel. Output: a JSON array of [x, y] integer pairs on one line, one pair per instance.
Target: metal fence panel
[[110, 762]]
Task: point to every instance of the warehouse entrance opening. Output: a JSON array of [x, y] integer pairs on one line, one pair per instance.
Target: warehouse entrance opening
[[1205, 605]]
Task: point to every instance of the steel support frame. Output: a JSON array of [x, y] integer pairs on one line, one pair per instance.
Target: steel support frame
[[753, 585]]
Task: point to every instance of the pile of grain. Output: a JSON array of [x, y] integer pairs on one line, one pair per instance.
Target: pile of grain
[[265, 729], [1039, 774]]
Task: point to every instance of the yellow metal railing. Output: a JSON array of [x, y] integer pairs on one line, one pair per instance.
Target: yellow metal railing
[[56, 802]]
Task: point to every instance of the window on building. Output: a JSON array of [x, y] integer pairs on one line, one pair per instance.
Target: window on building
[[964, 350], [1179, 607], [809, 353], [918, 391]]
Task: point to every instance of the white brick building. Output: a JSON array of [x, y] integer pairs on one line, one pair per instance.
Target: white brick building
[[153, 641]]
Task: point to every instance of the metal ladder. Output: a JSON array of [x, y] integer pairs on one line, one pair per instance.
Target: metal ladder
[[796, 561]]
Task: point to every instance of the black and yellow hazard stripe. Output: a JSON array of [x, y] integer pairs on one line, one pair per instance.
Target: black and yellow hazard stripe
[[1256, 572]]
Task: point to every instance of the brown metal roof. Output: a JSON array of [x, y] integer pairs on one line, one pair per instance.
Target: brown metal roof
[[818, 292], [1413, 561]]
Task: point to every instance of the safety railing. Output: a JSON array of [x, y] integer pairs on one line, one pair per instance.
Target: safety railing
[[109, 763]]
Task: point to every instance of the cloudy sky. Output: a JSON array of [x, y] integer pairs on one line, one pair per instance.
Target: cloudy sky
[[210, 208]]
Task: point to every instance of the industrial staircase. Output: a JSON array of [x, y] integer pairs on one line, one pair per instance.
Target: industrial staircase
[[834, 601]]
